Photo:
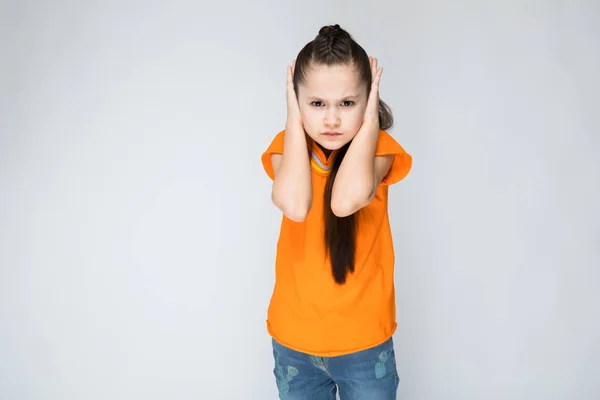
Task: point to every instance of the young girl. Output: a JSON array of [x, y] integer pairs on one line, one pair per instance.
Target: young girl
[[332, 312]]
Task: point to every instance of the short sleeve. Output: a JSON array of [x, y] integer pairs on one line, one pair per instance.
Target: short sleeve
[[276, 147], [402, 163]]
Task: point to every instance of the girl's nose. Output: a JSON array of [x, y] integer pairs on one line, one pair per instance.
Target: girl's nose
[[332, 118]]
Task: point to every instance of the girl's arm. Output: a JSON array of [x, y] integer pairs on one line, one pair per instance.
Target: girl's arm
[[292, 186], [359, 175], [361, 171]]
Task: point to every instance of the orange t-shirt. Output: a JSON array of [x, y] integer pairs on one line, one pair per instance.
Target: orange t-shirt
[[308, 311]]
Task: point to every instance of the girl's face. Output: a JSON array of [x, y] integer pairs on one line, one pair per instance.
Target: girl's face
[[332, 104]]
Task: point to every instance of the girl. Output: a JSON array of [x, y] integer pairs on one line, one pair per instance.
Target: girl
[[332, 311]]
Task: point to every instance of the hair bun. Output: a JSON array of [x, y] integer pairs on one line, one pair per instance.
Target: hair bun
[[330, 29]]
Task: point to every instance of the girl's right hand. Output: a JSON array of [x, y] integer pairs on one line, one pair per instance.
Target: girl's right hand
[[293, 109]]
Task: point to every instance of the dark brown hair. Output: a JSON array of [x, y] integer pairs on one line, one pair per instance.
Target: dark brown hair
[[334, 46]]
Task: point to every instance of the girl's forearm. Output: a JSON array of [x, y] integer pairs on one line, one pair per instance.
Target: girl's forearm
[[355, 179], [292, 187]]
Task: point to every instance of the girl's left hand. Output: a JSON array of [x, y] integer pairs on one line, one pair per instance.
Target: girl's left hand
[[371, 118]]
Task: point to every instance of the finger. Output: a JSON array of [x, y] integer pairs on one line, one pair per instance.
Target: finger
[[289, 76], [377, 78], [375, 85], [374, 68], [373, 102], [292, 101], [289, 84], [293, 66]]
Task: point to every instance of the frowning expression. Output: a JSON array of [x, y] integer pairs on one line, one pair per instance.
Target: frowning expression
[[332, 102]]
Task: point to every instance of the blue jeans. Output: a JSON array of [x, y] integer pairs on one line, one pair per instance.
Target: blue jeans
[[367, 374]]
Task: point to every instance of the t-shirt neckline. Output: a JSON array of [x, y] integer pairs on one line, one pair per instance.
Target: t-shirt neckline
[[319, 162]]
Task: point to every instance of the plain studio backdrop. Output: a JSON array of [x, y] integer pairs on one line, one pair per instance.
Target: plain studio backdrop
[[137, 234]]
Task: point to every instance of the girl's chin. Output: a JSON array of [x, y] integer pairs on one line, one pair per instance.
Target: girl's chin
[[331, 143]]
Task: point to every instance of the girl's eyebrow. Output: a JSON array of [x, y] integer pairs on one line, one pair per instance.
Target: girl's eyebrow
[[352, 96]]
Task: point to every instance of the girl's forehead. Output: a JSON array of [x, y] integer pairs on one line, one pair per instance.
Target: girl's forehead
[[332, 79]]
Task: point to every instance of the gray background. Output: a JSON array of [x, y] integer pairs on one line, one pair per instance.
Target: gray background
[[137, 236]]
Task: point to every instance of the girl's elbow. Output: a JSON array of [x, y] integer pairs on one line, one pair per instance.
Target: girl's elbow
[[298, 217], [295, 212], [340, 212], [343, 209], [348, 206], [347, 203]]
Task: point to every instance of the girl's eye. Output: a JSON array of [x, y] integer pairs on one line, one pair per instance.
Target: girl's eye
[[346, 103]]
